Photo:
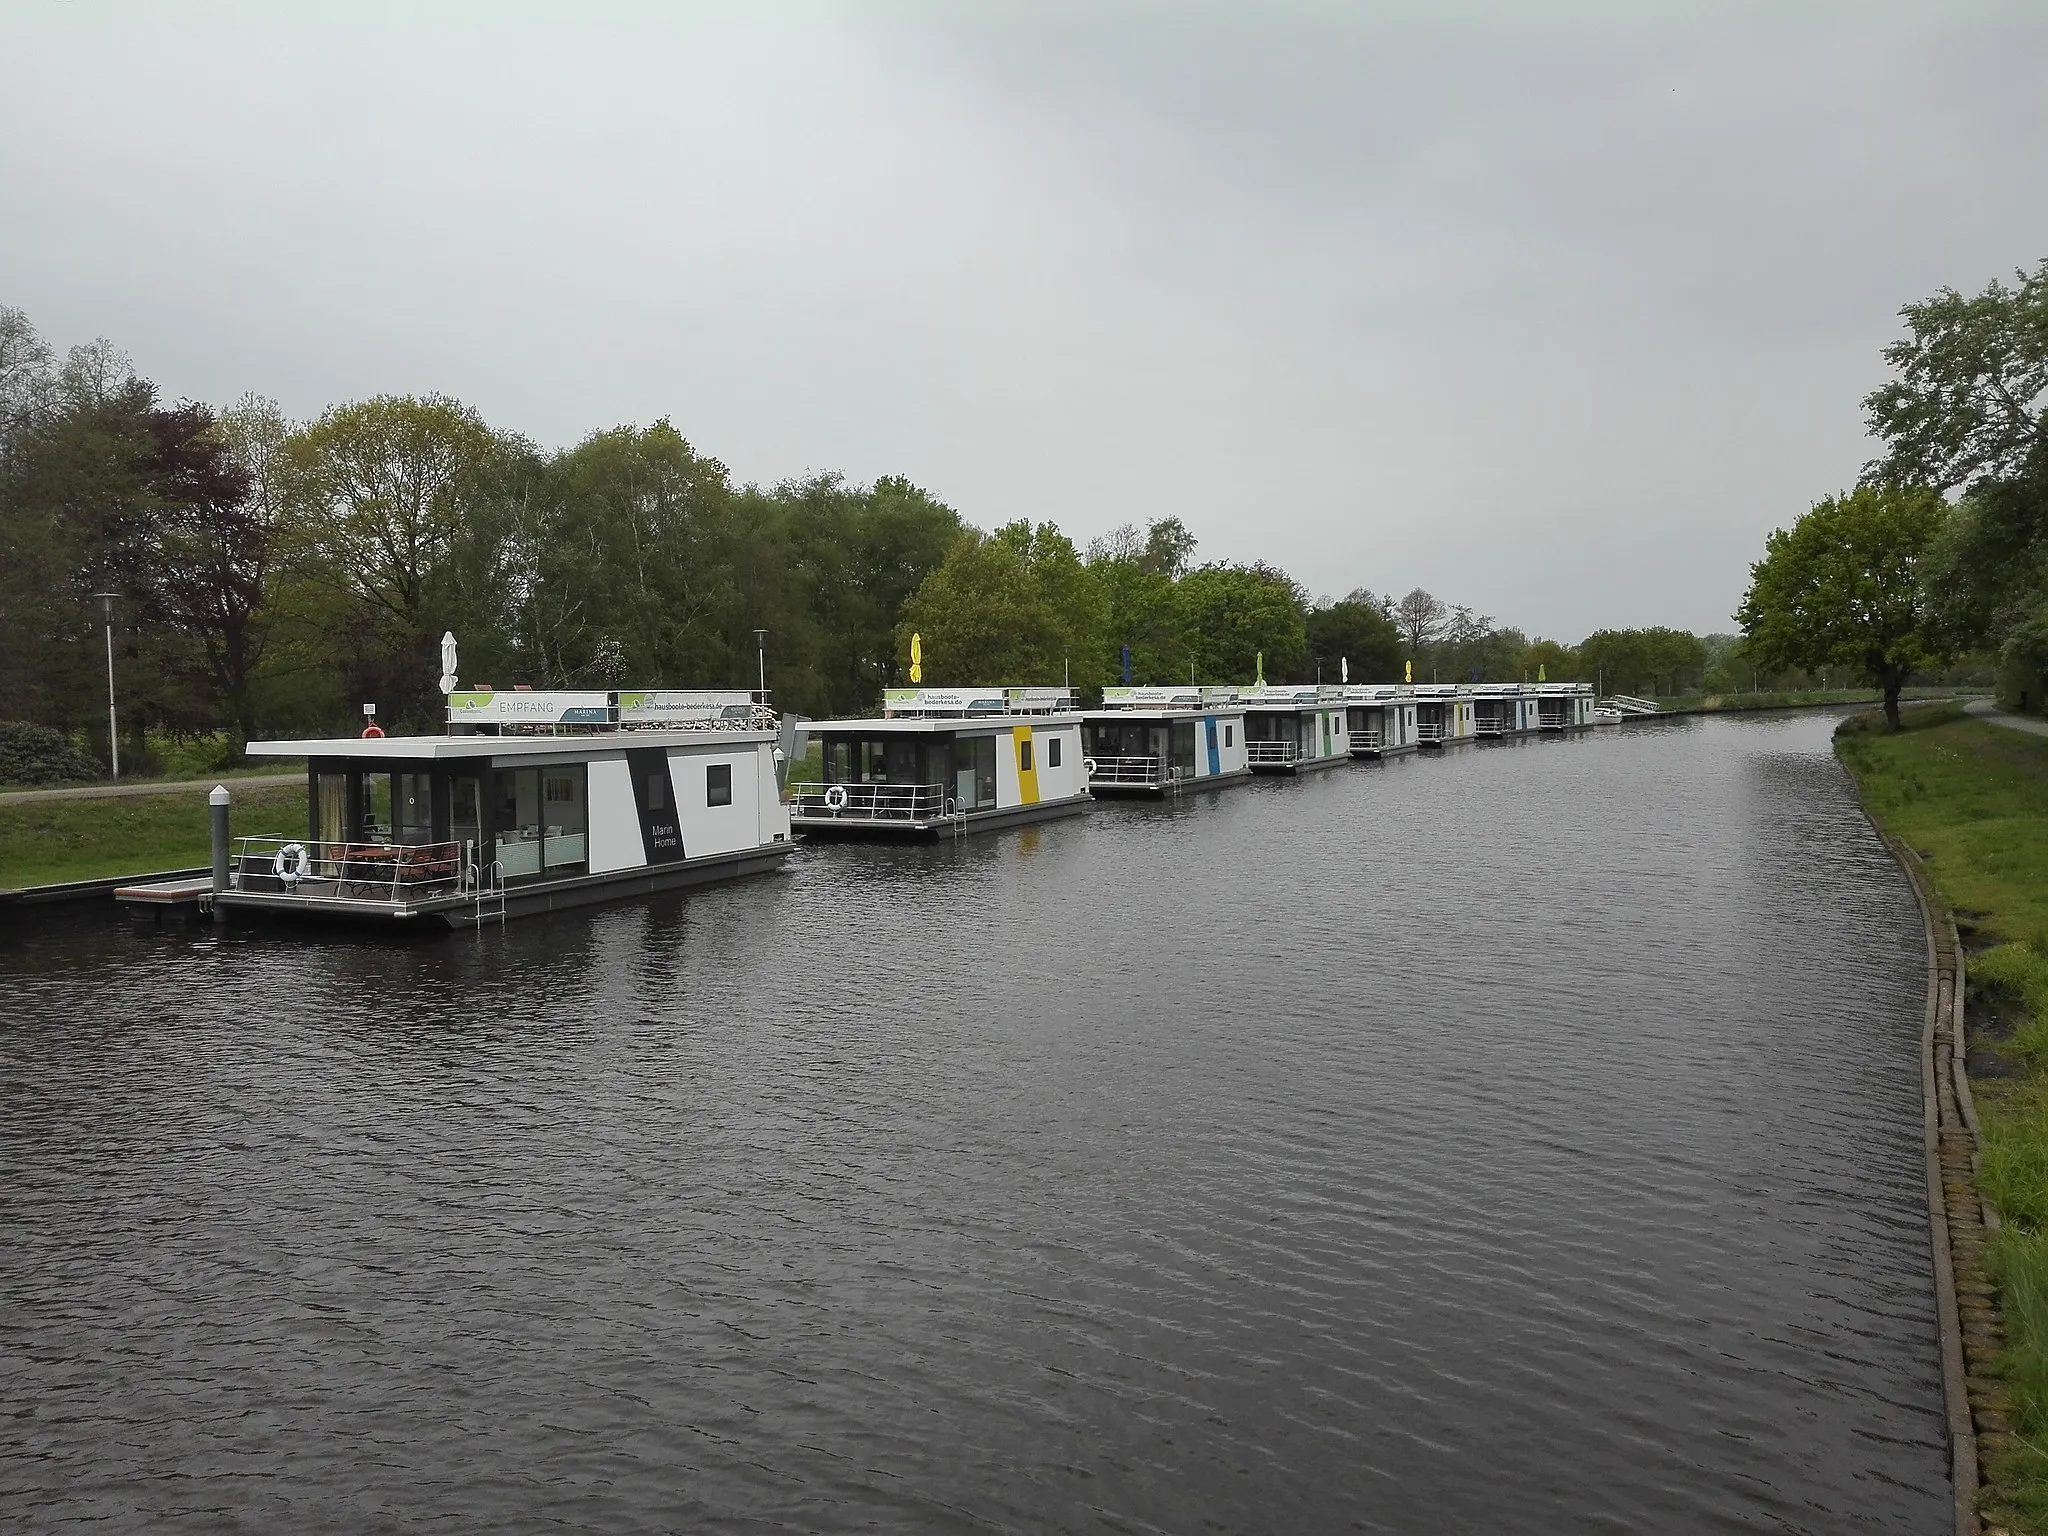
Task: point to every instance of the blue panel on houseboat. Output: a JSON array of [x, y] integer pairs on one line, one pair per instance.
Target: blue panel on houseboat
[[1215, 760], [661, 826]]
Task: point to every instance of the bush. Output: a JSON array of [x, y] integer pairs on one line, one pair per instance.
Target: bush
[[35, 754]]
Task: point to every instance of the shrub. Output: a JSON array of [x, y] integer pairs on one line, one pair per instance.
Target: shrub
[[35, 754]]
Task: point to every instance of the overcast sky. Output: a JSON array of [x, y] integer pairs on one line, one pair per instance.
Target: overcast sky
[[1555, 317]]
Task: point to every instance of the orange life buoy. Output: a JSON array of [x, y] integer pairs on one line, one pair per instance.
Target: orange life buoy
[[372, 731]]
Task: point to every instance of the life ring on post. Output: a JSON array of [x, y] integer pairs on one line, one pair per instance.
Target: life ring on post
[[835, 797], [373, 731], [292, 863]]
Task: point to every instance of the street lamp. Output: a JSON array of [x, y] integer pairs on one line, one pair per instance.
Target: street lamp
[[761, 655], [106, 602]]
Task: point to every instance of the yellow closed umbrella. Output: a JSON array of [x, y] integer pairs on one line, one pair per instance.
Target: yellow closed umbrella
[[917, 658]]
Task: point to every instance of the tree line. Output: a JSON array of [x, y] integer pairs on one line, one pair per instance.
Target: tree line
[[269, 577], [1941, 548]]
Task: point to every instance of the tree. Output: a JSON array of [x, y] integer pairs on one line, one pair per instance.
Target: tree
[[1971, 398], [209, 548], [1842, 586], [1969, 408], [1235, 614], [1357, 630], [385, 500], [1138, 571], [1013, 607], [1548, 661], [1421, 619]]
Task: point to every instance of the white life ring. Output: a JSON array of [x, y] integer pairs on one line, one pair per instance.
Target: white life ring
[[835, 797], [292, 863], [1088, 766]]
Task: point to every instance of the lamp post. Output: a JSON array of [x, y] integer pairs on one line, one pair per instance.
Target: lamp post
[[761, 656], [106, 601]]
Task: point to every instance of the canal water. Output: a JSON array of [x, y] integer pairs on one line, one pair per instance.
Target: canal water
[[1522, 1140]]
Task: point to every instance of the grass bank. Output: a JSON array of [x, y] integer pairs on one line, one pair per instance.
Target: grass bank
[[48, 842], [1972, 800], [1725, 703]]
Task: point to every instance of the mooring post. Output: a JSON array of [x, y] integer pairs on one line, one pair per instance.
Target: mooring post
[[217, 808]]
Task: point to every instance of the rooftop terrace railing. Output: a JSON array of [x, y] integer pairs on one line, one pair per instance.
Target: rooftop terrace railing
[[869, 802]]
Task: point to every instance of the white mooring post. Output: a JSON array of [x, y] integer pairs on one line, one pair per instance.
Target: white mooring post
[[217, 808]]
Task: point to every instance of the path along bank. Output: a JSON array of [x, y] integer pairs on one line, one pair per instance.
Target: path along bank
[[1967, 801]]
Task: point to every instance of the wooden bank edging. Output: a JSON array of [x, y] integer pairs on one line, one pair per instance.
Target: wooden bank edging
[[1960, 1221]]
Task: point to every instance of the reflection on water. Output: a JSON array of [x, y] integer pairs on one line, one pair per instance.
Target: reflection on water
[[1525, 1140]]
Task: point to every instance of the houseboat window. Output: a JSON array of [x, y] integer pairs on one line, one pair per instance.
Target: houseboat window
[[1226, 736], [1184, 746], [465, 816], [412, 802], [657, 791], [566, 820], [1052, 752], [516, 792], [1024, 755], [718, 784], [330, 808], [376, 808], [974, 771]]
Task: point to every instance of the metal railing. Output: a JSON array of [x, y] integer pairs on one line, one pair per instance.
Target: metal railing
[[1629, 705], [1489, 723], [1146, 772], [376, 872], [869, 802], [1272, 754], [1368, 741], [1431, 730]]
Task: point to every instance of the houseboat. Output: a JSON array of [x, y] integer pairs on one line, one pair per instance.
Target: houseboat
[[1379, 719], [1153, 741], [531, 802], [1503, 709], [1443, 715], [1293, 729], [944, 761], [1564, 706]]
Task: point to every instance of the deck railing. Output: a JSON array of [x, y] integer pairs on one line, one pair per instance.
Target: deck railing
[[1368, 741], [372, 872], [1486, 724], [1431, 730], [1146, 772], [1272, 754], [868, 802]]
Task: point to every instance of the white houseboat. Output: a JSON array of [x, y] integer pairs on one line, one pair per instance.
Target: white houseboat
[[1563, 706], [1151, 741], [1379, 719], [946, 760], [1443, 715], [1292, 729], [1503, 709], [531, 803]]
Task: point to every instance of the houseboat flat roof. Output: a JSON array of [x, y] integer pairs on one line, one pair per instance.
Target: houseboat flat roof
[[414, 748], [930, 724]]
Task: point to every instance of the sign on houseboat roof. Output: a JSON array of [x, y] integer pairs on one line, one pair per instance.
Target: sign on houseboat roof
[[1374, 691], [686, 706], [529, 707], [1292, 693], [975, 701]]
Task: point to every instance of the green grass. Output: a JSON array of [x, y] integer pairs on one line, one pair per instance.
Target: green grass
[[1716, 703], [51, 841], [1972, 800]]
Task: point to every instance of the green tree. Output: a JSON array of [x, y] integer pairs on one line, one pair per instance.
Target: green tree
[[1355, 629], [1138, 571], [1842, 586], [1017, 606], [1235, 614], [1548, 661], [1967, 410], [388, 500]]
